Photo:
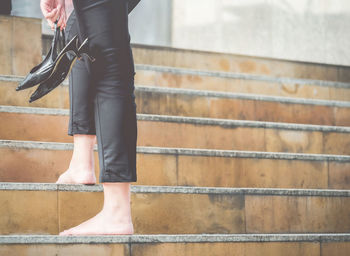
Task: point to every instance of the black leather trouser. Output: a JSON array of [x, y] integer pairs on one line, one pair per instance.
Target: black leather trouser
[[102, 99]]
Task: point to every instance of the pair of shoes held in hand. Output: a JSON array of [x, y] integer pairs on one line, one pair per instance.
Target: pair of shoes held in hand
[[55, 67]]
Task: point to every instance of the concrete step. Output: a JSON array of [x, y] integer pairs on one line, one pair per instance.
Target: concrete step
[[202, 60], [240, 83], [58, 98], [201, 103], [186, 102], [174, 210], [318, 244], [219, 81], [41, 124], [44, 162], [21, 46]]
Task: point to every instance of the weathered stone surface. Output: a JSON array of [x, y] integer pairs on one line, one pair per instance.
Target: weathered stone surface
[[201, 244], [339, 175], [28, 212], [234, 249], [165, 56], [20, 47], [281, 214], [65, 250], [240, 83], [172, 131], [44, 162], [186, 210]]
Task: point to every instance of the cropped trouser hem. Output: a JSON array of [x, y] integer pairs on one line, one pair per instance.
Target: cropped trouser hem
[[78, 129], [115, 179], [80, 132]]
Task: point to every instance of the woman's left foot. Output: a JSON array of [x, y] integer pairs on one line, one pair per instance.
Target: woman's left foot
[[102, 224], [77, 177]]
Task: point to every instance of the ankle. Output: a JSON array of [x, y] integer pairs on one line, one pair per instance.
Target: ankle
[[81, 168], [120, 214], [79, 164], [117, 210]]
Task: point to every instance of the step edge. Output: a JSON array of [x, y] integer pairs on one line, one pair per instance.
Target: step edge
[[242, 76], [17, 144], [235, 55], [179, 238], [242, 96], [221, 74], [227, 123], [145, 189]]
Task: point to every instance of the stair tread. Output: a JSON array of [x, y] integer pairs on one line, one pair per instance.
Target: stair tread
[[232, 123], [244, 96], [176, 238], [220, 74], [185, 151], [223, 94], [6, 186], [244, 76]]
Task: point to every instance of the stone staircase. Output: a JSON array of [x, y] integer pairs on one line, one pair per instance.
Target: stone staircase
[[236, 155]]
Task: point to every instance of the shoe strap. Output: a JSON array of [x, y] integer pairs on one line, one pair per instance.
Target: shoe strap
[[62, 40], [55, 42]]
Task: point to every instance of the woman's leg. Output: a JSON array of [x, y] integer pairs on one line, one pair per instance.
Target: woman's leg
[[115, 216], [105, 23], [81, 119]]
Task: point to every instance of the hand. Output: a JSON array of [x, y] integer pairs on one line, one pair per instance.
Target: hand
[[53, 10]]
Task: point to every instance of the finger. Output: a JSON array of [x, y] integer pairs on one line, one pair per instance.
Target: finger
[[62, 21], [51, 24], [56, 16], [52, 19], [59, 23], [63, 13], [59, 12], [64, 17], [51, 15]]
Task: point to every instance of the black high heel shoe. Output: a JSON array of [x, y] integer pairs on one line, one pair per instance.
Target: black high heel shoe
[[62, 70], [45, 69]]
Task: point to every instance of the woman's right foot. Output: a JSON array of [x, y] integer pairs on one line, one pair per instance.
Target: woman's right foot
[[77, 177]]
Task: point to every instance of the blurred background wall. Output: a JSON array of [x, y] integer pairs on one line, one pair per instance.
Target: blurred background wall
[[305, 30]]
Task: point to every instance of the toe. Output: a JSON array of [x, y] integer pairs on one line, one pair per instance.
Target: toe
[[63, 233]]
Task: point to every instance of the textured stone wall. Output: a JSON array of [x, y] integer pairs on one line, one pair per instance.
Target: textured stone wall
[[306, 30], [20, 44]]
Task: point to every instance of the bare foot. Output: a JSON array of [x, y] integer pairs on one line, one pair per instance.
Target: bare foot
[[81, 169], [77, 176], [103, 223]]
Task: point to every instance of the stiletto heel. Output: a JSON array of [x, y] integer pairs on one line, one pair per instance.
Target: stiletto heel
[[70, 47], [84, 49]]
